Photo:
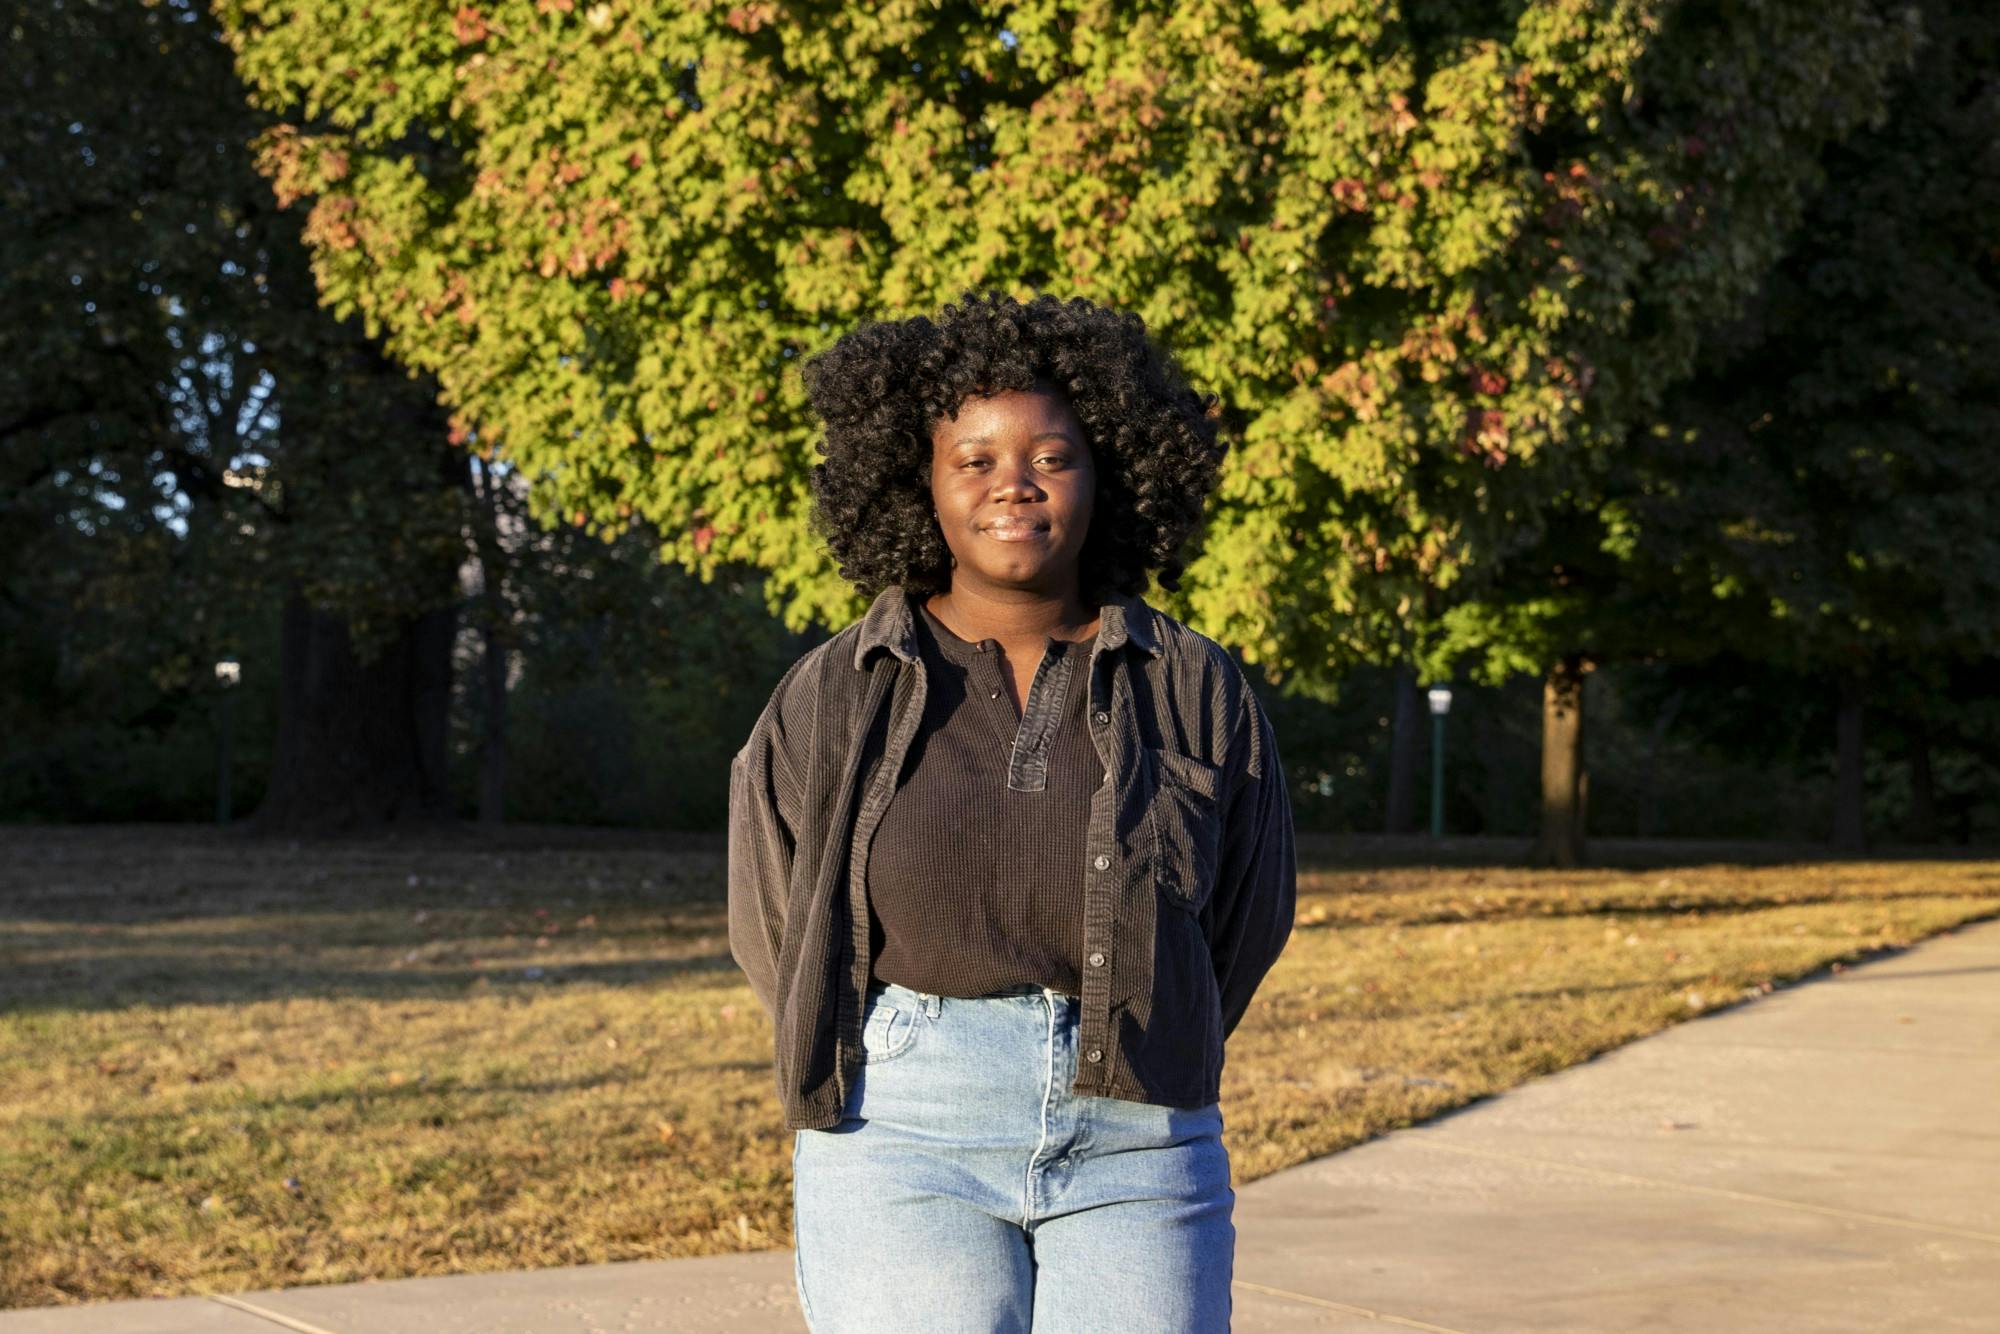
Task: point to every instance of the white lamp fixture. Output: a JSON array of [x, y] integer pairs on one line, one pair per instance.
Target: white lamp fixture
[[228, 672], [1440, 697]]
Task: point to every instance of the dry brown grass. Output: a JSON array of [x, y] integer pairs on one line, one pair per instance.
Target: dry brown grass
[[227, 1065]]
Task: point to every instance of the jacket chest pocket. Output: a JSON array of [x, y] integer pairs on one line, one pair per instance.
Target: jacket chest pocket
[[1185, 816]]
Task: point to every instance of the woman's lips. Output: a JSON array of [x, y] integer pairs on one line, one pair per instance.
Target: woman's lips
[[1014, 532]]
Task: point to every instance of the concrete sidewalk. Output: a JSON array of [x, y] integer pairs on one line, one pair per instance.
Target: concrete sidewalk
[[1826, 1158]]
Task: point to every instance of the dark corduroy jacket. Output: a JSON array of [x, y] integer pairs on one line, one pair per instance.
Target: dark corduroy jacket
[[1188, 875]]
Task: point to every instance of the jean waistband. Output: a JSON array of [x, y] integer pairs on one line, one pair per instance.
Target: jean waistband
[[1018, 989]]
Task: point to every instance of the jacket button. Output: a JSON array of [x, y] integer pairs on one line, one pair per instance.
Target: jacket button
[[1097, 959], [1093, 1055], [1102, 717], [1103, 863]]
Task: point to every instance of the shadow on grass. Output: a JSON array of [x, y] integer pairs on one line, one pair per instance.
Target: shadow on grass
[[1502, 852], [410, 1094], [134, 900], [162, 978], [1638, 906]]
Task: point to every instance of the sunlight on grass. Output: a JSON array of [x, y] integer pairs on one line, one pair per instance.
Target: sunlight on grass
[[227, 1065]]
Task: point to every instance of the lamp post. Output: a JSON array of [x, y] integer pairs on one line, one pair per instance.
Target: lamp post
[[227, 673], [1440, 698]]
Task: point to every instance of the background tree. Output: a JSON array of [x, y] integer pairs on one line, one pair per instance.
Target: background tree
[[189, 441], [1831, 470], [1413, 247]]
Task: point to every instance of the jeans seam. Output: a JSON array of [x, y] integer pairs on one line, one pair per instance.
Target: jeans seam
[[798, 1239], [1028, 1189]]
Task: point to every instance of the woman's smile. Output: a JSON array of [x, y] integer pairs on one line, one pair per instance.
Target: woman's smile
[[1016, 530]]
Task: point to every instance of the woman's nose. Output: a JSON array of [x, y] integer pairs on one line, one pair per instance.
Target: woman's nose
[[1015, 482]]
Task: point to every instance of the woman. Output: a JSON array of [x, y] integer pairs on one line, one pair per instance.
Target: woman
[[1009, 856]]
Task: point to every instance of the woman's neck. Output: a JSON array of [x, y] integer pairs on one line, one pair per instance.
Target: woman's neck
[[1016, 619]]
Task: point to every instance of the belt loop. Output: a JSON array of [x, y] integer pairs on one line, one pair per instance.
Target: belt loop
[[931, 1004]]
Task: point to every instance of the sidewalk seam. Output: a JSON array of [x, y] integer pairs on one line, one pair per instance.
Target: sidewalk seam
[[1831, 1211], [1362, 1311], [238, 1304]]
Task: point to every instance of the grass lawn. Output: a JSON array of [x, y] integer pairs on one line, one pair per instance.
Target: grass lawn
[[229, 1065]]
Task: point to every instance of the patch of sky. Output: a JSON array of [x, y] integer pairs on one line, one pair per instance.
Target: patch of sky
[[1008, 39]]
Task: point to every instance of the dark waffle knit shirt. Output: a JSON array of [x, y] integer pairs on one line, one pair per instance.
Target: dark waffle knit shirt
[[975, 879]]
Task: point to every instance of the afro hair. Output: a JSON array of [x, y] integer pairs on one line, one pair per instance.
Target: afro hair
[[883, 386]]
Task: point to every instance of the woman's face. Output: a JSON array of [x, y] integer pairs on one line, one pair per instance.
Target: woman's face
[[1013, 479]]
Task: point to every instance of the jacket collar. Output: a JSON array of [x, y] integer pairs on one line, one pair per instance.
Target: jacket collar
[[891, 623]]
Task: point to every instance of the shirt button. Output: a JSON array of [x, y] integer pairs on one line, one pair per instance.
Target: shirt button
[[1102, 717], [1103, 863], [1097, 959], [1093, 1055]]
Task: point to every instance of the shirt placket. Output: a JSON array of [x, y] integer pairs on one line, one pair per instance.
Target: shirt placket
[[1028, 760]]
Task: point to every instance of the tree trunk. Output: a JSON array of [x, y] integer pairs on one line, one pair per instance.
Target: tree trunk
[[1561, 840], [359, 744], [493, 663], [1405, 738], [1923, 788], [493, 734], [1850, 832]]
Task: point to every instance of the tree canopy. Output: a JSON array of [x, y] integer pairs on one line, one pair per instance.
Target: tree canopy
[[1422, 251]]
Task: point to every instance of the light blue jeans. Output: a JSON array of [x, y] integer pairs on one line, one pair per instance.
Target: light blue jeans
[[966, 1191]]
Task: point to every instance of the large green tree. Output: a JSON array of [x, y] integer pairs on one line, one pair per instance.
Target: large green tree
[[1418, 248]]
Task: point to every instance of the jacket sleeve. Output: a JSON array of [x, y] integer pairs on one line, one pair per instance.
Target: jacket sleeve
[[763, 793], [1249, 917]]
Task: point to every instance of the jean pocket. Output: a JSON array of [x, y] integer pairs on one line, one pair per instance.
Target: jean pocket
[[1186, 819], [887, 1030]]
